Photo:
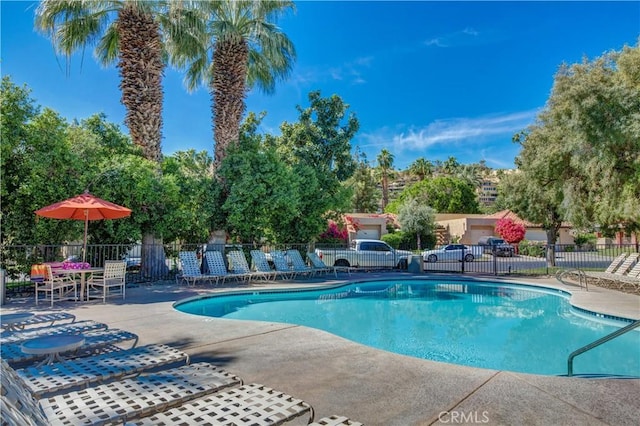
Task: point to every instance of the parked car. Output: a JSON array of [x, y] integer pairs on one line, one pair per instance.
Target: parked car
[[449, 252], [497, 246]]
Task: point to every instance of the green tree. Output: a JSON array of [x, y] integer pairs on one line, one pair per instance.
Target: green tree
[[444, 194], [236, 46], [363, 186], [385, 170], [417, 219], [261, 189], [321, 140], [584, 142]]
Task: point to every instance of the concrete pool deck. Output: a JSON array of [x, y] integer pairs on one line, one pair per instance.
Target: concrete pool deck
[[375, 387]]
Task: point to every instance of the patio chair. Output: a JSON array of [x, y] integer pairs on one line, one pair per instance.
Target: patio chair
[[282, 265], [629, 282], [38, 319], [321, 267], [81, 372], [72, 328], [240, 265], [191, 269], [217, 267], [602, 278], [57, 287], [298, 264], [252, 404], [261, 264], [102, 284], [116, 402], [94, 342]]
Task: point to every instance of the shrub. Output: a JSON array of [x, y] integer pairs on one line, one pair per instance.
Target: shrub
[[531, 248]]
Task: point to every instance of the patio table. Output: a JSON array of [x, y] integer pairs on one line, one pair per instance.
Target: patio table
[[83, 276], [52, 346]]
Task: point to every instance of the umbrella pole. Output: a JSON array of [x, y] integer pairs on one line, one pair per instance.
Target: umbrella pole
[[84, 245]]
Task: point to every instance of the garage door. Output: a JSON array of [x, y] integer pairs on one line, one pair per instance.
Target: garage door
[[368, 234]]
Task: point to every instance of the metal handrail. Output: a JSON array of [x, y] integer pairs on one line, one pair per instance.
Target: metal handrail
[[582, 276], [598, 342]]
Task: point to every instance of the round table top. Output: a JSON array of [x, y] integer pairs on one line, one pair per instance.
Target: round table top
[[14, 318], [52, 344]]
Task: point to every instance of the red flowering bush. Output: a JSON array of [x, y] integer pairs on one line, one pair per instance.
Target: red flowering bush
[[510, 231], [334, 234]]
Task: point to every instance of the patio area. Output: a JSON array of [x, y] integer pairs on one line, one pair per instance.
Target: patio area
[[337, 376]]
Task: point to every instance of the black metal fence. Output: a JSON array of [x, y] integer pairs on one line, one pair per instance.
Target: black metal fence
[[161, 263]]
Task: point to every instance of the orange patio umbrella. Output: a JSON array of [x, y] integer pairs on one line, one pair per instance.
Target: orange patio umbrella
[[84, 207]]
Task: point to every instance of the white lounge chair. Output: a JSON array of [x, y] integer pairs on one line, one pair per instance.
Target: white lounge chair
[[261, 264], [282, 264], [80, 372], [33, 319], [252, 404], [94, 342], [217, 267], [621, 270], [240, 265], [56, 287], [320, 266], [102, 284], [72, 328], [191, 269], [298, 264], [335, 421], [114, 402]]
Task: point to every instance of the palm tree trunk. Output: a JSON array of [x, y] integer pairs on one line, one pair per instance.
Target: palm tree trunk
[[141, 71], [228, 89]]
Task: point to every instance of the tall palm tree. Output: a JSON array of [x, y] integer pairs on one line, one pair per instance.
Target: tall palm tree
[[385, 167], [239, 47], [124, 31], [131, 34]]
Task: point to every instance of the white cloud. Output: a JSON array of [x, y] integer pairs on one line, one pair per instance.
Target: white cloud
[[458, 130]]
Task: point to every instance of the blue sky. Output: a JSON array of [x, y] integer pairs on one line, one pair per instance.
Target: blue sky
[[425, 79]]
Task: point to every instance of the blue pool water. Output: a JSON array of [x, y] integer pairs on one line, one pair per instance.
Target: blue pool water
[[480, 324]]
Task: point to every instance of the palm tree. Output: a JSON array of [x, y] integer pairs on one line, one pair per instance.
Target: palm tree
[[236, 48], [385, 167], [129, 32], [421, 167]]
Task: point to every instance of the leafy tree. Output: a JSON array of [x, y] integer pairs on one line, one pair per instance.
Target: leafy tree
[[417, 219], [261, 189], [198, 193], [444, 194], [584, 143], [385, 170], [363, 185], [236, 46], [510, 231], [319, 144]]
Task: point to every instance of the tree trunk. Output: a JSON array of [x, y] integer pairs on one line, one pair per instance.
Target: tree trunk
[[153, 258], [552, 237]]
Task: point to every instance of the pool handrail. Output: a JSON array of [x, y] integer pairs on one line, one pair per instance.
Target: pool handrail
[[599, 342]]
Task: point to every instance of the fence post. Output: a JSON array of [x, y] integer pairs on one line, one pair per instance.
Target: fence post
[[3, 287]]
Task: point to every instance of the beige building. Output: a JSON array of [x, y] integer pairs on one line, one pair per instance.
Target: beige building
[[469, 228]]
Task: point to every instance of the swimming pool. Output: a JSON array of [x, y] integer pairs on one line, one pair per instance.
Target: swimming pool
[[476, 323]]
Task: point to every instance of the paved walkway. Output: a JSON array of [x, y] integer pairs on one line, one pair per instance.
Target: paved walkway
[[337, 376]]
